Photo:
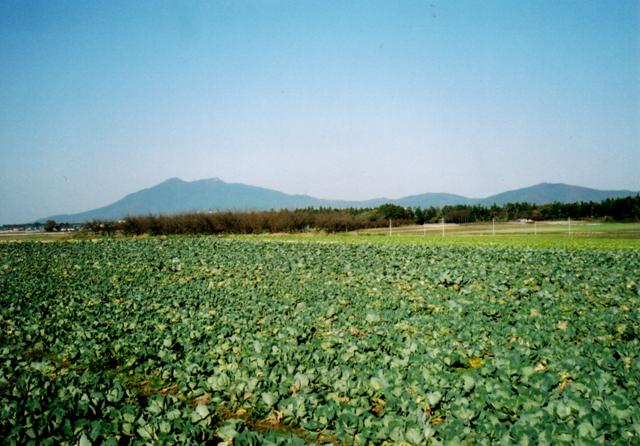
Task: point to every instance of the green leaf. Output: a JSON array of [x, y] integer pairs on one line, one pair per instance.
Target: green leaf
[[270, 399], [84, 441], [434, 398], [586, 429], [147, 432], [469, 382], [563, 410], [372, 317], [228, 430], [414, 436], [115, 394], [202, 410]]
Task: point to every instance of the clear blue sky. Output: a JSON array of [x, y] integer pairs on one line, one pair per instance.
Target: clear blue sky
[[343, 99]]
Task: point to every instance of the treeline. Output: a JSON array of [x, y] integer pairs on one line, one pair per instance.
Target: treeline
[[625, 209], [337, 220], [330, 220]]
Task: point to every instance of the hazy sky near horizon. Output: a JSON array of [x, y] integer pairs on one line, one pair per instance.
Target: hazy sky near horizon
[[336, 99]]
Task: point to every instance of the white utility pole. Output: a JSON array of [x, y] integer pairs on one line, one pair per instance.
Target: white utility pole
[[443, 226], [389, 226]]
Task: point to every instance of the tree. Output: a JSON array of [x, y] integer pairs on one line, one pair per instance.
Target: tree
[[50, 226], [394, 211], [418, 216]]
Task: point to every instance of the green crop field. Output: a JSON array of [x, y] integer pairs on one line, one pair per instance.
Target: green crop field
[[616, 236], [203, 340]]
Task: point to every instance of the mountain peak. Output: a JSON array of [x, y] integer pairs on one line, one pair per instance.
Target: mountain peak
[[213, 180], [173, 180]]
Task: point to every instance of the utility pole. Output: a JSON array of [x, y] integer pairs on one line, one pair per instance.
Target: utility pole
[[443, 226], [389, 226], [494, 226]]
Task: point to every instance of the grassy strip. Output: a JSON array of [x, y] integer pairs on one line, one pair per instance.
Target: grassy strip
[[555, 241]]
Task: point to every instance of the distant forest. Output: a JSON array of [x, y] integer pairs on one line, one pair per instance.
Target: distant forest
[[336, 220]]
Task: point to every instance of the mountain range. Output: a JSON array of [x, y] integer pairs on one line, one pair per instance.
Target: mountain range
[[175, 195]]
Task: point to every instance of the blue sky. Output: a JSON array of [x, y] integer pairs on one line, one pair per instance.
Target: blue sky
[[342, 99]]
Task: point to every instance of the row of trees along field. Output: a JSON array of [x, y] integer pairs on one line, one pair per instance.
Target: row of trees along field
[[614, 209], [336, 220]]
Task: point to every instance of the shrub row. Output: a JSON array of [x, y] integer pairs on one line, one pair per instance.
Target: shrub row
[[246, 222], [336, 220]]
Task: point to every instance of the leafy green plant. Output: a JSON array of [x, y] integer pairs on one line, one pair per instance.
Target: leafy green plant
[[198, 340]]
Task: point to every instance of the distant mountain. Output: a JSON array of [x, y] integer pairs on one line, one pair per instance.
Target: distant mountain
[[175, 196], [550, 192], [432, 199]]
